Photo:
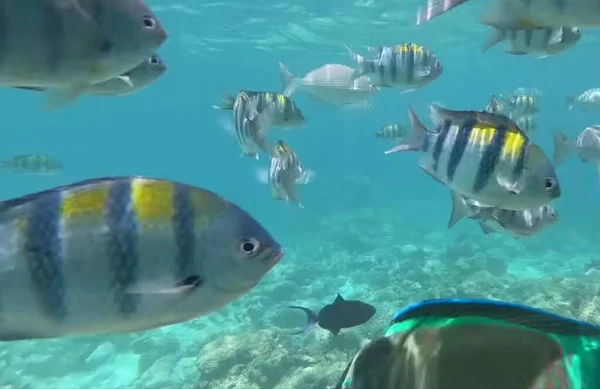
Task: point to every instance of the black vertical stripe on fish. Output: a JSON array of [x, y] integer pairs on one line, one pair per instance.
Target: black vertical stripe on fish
[[45, 255], [381, 69], [394, 67], [458, 148], [410, 64], [438, 147], [426, 144], [184, 230], [489, 159], [547, 35], [519, 167], [528, 37], [55, 35], [122, 246]]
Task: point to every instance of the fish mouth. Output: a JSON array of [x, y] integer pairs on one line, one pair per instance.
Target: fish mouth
[[274, 257]]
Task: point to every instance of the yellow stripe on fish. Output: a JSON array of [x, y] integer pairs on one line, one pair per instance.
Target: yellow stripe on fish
[[152, 199], [406, 47], [84, 203], [482, 135], [513, 145], [281, 100]]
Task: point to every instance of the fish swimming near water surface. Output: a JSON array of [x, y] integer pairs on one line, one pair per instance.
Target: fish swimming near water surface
[[32, 164], [120, 254], [341, 314], [477, 344]]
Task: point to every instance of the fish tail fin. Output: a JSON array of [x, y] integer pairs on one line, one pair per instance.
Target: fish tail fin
[[460, 209], [435, 8], [311, 317], [362, 64], [226, 103], [570, 100], [496, 37], [562, 147], [289, 83], [416, 140]]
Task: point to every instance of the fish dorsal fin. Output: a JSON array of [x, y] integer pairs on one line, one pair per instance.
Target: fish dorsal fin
[[516, 314], [339, 299]]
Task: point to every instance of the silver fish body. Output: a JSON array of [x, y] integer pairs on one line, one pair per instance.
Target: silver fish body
[[522, 104], [527, 123], [330, 84], [392, 132], [405, 65], [122, 254], [589, 100], [485, 157], [540, 41], [284, 114], [586, 146], [74, 43], [140, 77], [519, 223], [285, 172]]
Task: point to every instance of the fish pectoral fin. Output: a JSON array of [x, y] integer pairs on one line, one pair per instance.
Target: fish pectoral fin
[[58, 98], [486, 229], [186, 285], [126, 80], [513, 187]]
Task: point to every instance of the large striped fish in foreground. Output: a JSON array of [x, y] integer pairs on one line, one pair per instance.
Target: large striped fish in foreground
[[111, 255], [127, 83], [70, 45], [477, 344], [406, 65], [484, 157]]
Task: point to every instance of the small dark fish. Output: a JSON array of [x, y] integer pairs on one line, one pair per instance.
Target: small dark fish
[[341, 314], [477, 344]]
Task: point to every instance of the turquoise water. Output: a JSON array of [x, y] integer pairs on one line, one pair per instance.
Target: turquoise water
[[373, 227]]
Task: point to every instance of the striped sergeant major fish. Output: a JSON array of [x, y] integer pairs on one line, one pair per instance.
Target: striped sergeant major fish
[[118, 254], [523, 104], [483, 156], [286, 115], [391, 132], [477, 344], [527, 123], [539, 41], [519, 223], [285, 173], [406, 65]]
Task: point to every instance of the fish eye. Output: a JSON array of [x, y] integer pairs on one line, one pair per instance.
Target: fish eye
[[437, 64], [154, 60], [149, 21], [550, 183], [249, 246]]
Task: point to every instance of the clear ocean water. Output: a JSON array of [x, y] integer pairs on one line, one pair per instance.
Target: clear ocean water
[[374, 225]]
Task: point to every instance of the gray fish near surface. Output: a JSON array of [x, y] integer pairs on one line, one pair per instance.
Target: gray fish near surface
[[122, 254], [285, 173], [285, 115], [392, 132], [539, 41], [32, 164], [341, 314], [70, 45], [586, 146], [519, 223], [140, 77], [589, 100], [331, 84], [406, 65], [484, 157]]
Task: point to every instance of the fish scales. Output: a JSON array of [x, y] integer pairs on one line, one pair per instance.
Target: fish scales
[[106, 232]]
